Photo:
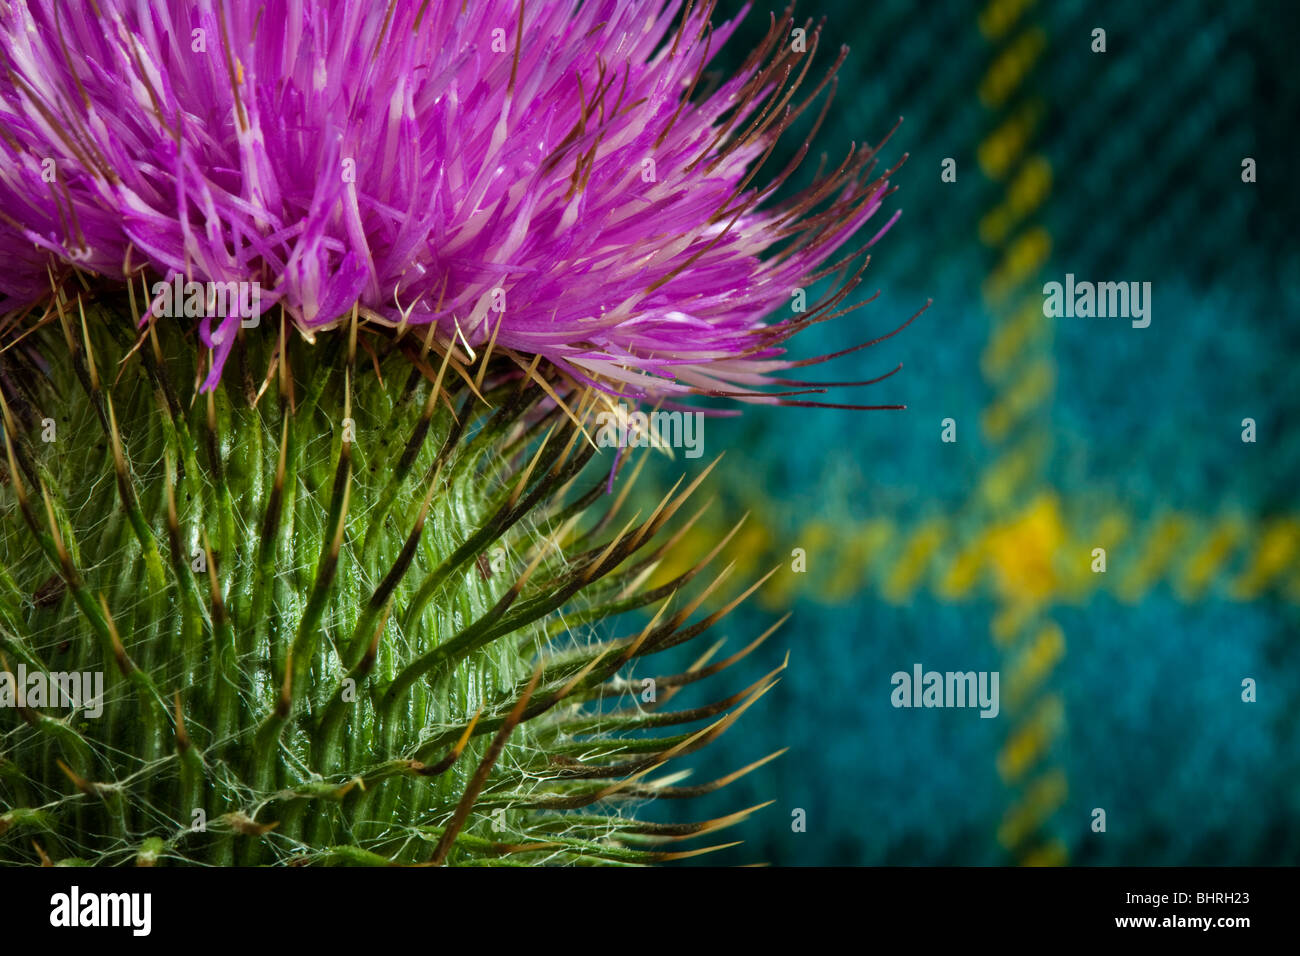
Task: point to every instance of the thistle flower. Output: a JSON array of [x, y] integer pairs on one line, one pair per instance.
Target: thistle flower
[[364, 610], [556, 178]]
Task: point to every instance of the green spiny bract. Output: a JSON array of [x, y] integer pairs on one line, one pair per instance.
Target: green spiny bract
[[359, 604]]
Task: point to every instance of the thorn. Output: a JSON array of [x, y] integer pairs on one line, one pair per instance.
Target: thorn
[[437, 385], [469, 351], [90, 355], [531, 372], [124, 663], [684, 614], [487, 354], [337, 544], [475, 785], [453, 755], [182, 738], [119, 457], [718, 784], [686, 831], [687, 854], [736, 602], [595, 567], [65, 560], [82, 784], [58, 297], [173, 520], [368, 659], [528, 472], [218, 604], [352, 338], [242, 823], [344, 789], [282, 463], [285, 703], [14, 476], [286, 373]]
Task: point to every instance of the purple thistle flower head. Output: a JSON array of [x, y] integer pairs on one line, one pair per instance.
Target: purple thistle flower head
[[556, 178]]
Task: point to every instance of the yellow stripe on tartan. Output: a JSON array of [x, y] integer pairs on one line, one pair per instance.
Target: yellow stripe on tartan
[[1012, 337], [1206, 561], [748, 547], [1029, 558], [965, 571], [1078, 579], [1025, 194], [1000, 16], [1158, 551], [1274, 551], [819, 542], [910, 566], [1024, 551], [1033, 664], [1034, 385], [1030, 740], [1036, 805], [1001, 482], [856, 561], [1011, 66], [1023, 257], [1011, 619], [1110, 531], [998, 152], [1052, 853]]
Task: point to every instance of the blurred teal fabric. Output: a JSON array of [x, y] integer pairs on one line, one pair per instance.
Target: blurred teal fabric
[[1130, 695]]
